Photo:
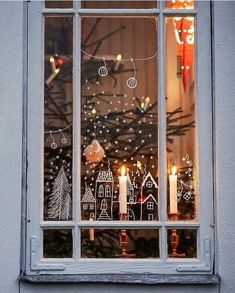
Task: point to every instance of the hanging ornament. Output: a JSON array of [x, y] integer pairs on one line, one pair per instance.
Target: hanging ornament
[[63, 139], [53, 144], [59, 62], [94, 152], [132, 81], [103, 70]]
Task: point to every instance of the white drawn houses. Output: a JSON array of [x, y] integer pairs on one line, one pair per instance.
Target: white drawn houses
[[149, 195], [104, 196], [88, 203], [100, 206], [131, 200]]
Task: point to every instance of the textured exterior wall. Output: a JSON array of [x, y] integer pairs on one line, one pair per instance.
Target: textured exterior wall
[[224, 24], [11, 61], [11, 48]]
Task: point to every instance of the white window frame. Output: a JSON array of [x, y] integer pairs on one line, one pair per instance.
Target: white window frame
[[35, 263]]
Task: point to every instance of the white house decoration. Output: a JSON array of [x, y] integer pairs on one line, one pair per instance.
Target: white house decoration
[[104, 196], [88, 205], [131, 199], [149, 194]]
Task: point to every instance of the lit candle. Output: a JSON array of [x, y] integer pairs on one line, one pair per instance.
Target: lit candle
[[119, 58], [122, 191], [173, 191], [91, 232]]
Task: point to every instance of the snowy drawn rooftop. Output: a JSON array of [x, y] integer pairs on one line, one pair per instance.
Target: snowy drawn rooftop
[[88, 196], [105, 176]]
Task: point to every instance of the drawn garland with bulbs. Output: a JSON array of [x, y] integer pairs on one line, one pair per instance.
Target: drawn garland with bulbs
[[103, 70]]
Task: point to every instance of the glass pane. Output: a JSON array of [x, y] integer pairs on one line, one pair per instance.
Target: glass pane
[[110, 243], [182, 243], [57, 243], [180, 106], [180, 4], [119, 4], [119, 119], [58, 4], [58, 116]]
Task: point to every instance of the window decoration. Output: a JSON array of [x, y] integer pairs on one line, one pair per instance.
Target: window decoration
[[122, 142], [60, 204]]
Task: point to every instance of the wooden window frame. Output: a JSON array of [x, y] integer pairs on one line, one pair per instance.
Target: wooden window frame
[[34, 263]]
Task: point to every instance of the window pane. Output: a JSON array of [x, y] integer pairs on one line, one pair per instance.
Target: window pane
[[57, 243], [182, 243], [119, 119], [105, 243], [58, 116], [58, 4], [119, 4], [180, 106], [180, 4]]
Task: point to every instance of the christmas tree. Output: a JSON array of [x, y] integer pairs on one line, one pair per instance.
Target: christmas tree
[[60, 198]]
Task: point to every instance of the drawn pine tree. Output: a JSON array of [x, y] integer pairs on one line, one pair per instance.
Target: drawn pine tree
[[60, 202]]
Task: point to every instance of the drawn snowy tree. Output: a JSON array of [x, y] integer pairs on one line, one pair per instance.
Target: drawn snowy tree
[[60, 203]]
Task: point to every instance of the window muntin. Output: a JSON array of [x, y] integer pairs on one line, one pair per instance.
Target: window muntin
[[162, 225]]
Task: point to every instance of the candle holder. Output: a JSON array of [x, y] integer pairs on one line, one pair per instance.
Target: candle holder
[[174, 239], [123, 240]]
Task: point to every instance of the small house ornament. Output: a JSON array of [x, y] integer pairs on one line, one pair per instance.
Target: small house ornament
[[94, 152]]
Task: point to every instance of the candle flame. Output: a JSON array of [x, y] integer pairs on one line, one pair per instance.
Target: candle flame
[[173, 171], [123, 170], [119, 57]]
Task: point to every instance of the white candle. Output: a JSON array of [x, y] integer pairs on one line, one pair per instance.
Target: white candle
[[122, 192], [173, 191]]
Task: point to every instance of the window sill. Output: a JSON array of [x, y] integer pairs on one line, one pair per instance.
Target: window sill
[[150, 279]]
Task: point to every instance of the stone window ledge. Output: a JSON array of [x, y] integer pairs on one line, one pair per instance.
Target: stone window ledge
[[151, 279]]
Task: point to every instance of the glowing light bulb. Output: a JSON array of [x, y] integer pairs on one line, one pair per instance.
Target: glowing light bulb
[[138, 164], [119, 57], [93, 111]]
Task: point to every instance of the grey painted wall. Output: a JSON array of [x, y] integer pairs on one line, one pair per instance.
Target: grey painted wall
[[11, 64], [225, 140], [11, 49]]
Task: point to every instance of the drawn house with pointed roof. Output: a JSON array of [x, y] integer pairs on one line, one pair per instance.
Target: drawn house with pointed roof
[[131, 200], [149, 194], [88, 205], [104, 196]]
